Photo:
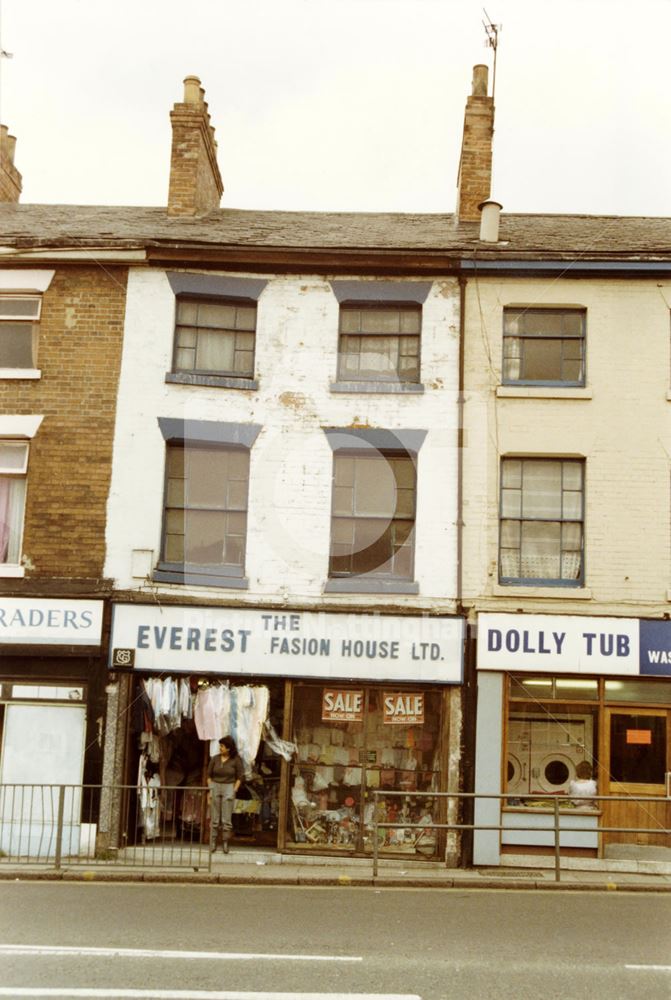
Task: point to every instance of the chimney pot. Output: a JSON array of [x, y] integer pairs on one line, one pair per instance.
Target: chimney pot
[[480, 80], [195, 186], [192, 90], [474, 178], [490, 212]]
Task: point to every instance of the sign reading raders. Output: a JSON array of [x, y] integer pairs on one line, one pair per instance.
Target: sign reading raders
[[290, 644], [32, 621]]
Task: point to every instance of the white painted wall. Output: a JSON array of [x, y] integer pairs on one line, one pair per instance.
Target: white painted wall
[[291, 462]]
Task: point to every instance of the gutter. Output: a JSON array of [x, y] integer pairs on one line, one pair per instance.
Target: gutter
[[576, 266]]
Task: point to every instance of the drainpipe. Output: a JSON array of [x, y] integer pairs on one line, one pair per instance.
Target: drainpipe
[[469, 696]]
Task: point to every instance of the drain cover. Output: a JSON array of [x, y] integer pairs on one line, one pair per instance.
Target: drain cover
[[498, 873]]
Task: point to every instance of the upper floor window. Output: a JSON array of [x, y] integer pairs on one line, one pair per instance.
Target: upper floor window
[[215, 337], [373, 516], [543, 346], [19, 326], [205, 518], [379, 342], [541, 521], [13, 469]]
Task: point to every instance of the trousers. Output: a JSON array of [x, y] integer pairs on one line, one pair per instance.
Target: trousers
[[221, 809]]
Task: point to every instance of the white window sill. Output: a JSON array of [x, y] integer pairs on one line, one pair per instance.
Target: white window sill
[[16, 373], [7, 569], [550, 592], [543, 392]]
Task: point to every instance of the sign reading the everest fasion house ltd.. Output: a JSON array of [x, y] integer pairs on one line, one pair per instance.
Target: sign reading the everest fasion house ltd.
[[31, 621], [287, 644]]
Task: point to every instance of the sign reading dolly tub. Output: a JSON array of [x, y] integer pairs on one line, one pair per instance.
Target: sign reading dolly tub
[[287, 644], [574, 644]]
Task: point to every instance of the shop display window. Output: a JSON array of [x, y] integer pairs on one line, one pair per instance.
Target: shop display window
[[353, 741], [645, 692], [549, 737]]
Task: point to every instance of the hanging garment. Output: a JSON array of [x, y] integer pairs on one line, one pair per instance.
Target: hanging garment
[[150, 807], [283, 748], [205, 714]]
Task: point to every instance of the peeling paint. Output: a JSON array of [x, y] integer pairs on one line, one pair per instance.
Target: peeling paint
[[293, 400]]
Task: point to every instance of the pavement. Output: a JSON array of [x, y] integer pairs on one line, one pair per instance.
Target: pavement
[[247, 867]]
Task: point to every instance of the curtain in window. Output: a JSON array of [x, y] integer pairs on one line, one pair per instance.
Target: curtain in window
[[12, 492]]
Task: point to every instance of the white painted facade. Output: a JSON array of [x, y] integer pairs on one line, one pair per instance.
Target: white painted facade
[[289, 512]]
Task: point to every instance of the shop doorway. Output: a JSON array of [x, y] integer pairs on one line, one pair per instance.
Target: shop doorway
[[637, 762], [169, 748]]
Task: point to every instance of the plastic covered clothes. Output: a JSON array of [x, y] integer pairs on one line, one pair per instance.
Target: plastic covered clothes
[[299, 795], [283, 748], [150, 806]]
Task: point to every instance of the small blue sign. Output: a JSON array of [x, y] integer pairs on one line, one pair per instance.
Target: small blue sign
[[655, 648]]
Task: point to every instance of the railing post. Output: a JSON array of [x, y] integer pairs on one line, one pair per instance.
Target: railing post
[[59, 826], [557, 861], [375, 794]]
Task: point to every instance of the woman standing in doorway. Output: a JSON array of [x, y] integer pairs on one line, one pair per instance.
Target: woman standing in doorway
[[224, 776]]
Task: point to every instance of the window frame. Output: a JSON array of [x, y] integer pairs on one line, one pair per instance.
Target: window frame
[[15, 567], [362, 306], [204, 574], [213, 376], [526, 581], [522, 310], [374, 576], [32, 325]]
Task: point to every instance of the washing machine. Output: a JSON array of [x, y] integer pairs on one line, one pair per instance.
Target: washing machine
[[558, 745], [519, 732], [544, 751]]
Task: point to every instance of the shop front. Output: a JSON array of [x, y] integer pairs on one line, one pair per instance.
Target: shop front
[[51, 705], [570, 708], [325, 709]]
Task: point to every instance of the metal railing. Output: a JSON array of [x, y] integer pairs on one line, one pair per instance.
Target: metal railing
[[558, 809], [165, 827], [60, 825]]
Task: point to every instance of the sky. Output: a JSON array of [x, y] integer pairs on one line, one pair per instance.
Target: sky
[[343, 105]]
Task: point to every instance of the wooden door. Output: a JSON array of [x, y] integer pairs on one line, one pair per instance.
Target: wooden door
[[637, 761]]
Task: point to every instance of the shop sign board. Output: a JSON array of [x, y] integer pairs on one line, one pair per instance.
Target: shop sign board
[[31, 621], [656, 648], [342, 706], [558, 644], [253, 641], [402, 709]]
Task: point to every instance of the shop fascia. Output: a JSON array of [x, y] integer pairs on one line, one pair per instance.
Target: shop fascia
[[30, 621], [574, 644], [235, 641]]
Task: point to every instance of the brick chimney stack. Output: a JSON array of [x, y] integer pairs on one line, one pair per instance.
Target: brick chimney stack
[[196, 186], [475, 166], [10, 178]]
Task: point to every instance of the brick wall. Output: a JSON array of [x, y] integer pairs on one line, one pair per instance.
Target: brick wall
[[79, 355], [620, 423]]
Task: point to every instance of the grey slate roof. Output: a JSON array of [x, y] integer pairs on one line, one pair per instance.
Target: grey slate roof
[[521, 236]]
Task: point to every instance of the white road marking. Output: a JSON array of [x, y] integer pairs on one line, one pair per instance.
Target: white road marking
[[229, 956], [22, 991], [649, 968]]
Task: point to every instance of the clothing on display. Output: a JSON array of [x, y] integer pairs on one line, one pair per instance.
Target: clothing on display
[[178, 722]]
